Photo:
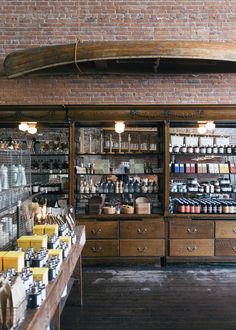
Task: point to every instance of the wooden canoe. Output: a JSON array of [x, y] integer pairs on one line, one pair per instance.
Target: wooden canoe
[[126, 57]]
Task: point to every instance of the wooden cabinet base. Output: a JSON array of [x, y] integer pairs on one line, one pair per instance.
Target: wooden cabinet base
[[191, 247], [101, 248], [142, 247]]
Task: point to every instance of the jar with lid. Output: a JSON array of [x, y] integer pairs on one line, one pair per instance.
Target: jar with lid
[[202, 150], [215, 149], [197, 208], [225, 207], [176, 149], [221, 149], [170, 148], [196, 150], [209, 150], [187, 206], [219, 208], [229, 149], [190, 149], [234, 150], [183, 149]]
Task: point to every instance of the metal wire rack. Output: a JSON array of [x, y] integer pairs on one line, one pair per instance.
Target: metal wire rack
[[15, 189]]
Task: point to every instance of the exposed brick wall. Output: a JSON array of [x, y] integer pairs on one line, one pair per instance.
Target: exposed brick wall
[[29, 23]]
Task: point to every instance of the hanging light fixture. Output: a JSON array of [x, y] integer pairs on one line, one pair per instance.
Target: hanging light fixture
[[119, 127], [210, 125], [32, 128], [202, 129], [23, 126]]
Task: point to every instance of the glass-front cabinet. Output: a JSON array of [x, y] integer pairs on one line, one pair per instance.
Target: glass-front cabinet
[[202, 170], [119, 173]]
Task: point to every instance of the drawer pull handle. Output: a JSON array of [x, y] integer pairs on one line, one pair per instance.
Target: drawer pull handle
[[96, 248], [96, 231], [192, 230], [142, 231], [234, 230], [142, 249], [191, 248], [234, 248]]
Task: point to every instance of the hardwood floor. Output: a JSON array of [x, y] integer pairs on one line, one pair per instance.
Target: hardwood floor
[[176, 297]]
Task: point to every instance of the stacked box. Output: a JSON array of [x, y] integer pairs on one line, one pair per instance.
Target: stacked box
[[14, 259], [40, 274], [24, 242], [39, 241]]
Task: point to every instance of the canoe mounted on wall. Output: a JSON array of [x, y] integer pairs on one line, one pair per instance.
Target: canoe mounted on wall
[[126, 57]]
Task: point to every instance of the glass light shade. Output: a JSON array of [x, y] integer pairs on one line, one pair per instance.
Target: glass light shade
[[23, 126], [210, 125], [119, 126], [32, 130], [201, 129]]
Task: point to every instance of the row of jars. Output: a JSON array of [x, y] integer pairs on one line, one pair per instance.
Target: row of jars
[[219, 186], [209, 206], [229, 149], [119, 187]]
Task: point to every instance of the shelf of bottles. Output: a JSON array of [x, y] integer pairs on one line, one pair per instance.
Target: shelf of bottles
[[202, 171], [118, 167]]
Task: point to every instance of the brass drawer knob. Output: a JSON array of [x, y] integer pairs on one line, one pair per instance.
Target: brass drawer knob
[[234, 230], [142, 231], [234, 248], [96, 231], [191, 248], [192, 230], [142, 249], [96, 248]]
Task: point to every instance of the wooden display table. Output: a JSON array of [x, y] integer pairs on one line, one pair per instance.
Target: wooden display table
[[39, 319]]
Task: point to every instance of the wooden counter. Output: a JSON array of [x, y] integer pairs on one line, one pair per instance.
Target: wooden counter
[[39, 319]]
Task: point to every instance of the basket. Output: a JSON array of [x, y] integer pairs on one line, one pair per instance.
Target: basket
[[127, 209], [109, 210], [142, 205]]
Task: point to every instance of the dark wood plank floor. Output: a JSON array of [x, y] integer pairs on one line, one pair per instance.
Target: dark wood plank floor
[[175, 297]]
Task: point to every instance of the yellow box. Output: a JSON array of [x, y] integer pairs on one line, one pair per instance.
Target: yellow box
[[40, 274], [66, 239], [39, 241], [55, 252], [2, 253], [14, 259], [39, 229], [24, 242], [51, 229]]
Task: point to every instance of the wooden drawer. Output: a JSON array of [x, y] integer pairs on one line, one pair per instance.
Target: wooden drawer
[[225, 229], [191, 229], [191, 247], [99, 229], [142, 229], [225, 247], [101, 248], [142, 247]]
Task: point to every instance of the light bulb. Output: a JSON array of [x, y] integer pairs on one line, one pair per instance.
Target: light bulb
[[119, 126], [210, 125], [201, 129], [23, 126]]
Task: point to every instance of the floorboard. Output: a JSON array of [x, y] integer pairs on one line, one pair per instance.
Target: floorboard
[[176, 297]]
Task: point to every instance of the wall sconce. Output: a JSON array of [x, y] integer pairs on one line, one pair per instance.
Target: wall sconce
[[30, 127], [119, 127]]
